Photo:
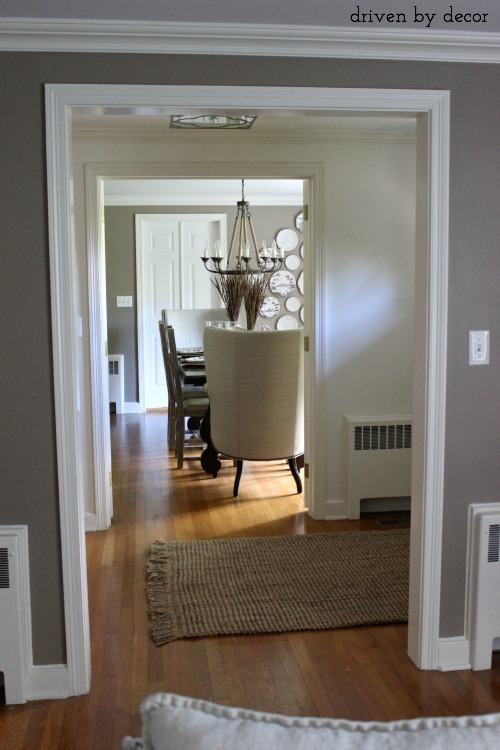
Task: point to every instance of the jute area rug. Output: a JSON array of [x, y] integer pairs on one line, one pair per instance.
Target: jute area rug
[[277, 584]]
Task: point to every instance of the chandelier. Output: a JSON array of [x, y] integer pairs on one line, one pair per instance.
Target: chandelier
[[246, 259]]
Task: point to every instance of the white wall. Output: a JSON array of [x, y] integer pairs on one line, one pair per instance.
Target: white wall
[[368, 220]]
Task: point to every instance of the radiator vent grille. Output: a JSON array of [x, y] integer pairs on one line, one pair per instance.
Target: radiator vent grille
[[4, 569], [382, 437], [113, 367], [494, 543]]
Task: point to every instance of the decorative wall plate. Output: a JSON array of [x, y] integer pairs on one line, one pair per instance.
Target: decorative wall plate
[[302, 251], [287, 323], [287, 240], [300, 283], [282, 283], [292, 262], [270, 307], [299, 221], [302, 314], [292, 304]]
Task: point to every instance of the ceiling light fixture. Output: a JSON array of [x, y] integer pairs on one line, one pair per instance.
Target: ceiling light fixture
[[266, 260], [212, 122]]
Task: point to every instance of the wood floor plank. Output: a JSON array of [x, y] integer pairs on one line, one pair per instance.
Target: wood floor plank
[[360, 673]]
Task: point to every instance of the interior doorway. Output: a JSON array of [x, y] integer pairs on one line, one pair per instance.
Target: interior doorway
[[431, 245]]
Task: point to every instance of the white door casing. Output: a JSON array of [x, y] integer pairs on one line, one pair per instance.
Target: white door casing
[[96, 263], [170, 275], [426, 531]]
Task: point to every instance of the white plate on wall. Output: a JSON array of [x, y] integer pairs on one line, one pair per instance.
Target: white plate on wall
[[287, 240], [287, 323], [300, 283], [270, 307], [282, 283], [292, 262], [292, 304]]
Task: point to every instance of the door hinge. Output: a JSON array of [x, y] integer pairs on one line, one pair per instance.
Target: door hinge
[[306, 213], [306, 343], [306, 470], [110, 479], [105, 348]]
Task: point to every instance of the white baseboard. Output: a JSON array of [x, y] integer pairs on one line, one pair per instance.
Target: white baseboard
[[47, 682], [336, 510], [453, 654], [90, 522]]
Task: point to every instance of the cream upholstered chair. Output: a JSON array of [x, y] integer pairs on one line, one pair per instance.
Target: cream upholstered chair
[[190, 324], [255, 382], [184, 401]]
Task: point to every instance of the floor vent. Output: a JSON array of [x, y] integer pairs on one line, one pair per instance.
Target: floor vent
[[393, 522], [378, 458]]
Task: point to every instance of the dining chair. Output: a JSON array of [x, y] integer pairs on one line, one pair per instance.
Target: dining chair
[[188, 405], [255, 382], [181, 397], [190, 324]]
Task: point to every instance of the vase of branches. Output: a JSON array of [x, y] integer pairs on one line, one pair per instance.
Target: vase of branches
[[254, 292], [231, 289]]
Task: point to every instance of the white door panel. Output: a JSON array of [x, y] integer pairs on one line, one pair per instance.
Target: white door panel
[[160, 271], [197, 289], [170, 274]]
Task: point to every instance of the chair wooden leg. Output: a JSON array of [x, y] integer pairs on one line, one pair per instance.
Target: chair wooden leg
[[239, 470], [292, 463], [179, 441]]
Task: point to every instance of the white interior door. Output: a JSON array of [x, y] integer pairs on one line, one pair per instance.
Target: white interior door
[[196, 290], [170, 274]]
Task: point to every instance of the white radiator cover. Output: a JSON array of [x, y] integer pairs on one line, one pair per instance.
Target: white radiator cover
[[483, 582], [116, 381], [378, 458], [15, 611]]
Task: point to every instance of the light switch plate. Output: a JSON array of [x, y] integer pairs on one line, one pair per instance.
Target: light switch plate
[[479, 347], [124, 301]]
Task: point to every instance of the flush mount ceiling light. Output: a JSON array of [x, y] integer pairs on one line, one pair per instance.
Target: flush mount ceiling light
[[212, 122]]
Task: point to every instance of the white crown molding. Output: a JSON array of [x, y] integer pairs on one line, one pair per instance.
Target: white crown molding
[[59, 35]]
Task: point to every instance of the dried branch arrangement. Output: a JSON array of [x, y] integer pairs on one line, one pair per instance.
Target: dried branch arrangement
[[231, 289], [255, 288]]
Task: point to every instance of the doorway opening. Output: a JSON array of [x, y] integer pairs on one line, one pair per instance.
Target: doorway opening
[[431, 109]]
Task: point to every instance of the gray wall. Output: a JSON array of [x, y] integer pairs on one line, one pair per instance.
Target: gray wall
[[121, 270], [28, 454], [313, 12]]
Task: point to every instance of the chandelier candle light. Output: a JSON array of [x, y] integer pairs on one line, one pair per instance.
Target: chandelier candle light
[[267, 260]]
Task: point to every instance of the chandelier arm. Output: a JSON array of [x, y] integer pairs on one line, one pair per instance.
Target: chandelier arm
[[242, 222], [232, 239]]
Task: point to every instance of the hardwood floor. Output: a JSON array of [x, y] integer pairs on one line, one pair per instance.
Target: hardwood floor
[[361, 673]]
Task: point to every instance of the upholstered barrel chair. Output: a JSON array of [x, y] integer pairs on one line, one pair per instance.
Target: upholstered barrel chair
[[255, 382]]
